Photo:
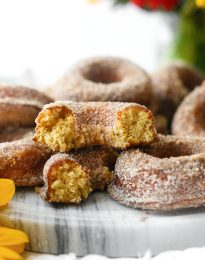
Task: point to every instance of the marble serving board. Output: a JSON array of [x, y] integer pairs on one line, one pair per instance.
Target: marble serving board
[[101, 226]]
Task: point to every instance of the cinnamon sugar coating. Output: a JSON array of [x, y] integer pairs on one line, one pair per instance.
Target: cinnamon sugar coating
[[70, 178], [11, 134], [104, 79], [64, 126], [189, 118], [172, 83], [22, 161], [166, 175], [19, 106]]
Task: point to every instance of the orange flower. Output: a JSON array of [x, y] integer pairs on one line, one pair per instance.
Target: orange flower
[[12, 241], [200, 3]]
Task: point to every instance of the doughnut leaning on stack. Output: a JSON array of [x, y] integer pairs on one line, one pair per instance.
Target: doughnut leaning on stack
[[103, 79], [21, 159]]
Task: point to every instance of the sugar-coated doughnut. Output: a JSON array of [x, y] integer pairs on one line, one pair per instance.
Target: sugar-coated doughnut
[[104, 79], [19, 106], [172, 83], [70, 178], [167, 175], [72, 125], [12, 133], [189, 118], [22, 161]]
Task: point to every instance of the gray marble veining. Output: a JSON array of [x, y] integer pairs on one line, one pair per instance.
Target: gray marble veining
[[102, 226]]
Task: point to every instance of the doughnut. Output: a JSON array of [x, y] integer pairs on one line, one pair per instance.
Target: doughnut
[[167, 175], [19, 106], [172, 83], [70, 178], [67, 125], [189, 118], [11, 134], [22, 161], [104, 79]]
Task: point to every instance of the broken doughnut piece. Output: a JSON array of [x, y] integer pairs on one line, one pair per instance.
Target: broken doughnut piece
[[70, 178], [65, 125]]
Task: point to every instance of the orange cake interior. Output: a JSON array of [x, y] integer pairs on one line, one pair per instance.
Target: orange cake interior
[[57, 127], [68, 182]]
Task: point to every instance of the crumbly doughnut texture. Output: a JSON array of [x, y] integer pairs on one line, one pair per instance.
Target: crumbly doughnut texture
[[19, 106], [64, 126], [172, 83], [189, 118], [164, 176], [104, 79], [70, 178]]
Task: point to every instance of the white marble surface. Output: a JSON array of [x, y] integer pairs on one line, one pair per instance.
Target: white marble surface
[[102, 226]]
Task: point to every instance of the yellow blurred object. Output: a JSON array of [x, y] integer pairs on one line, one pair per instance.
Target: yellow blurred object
[[200, 3], [7, 254], [93, 1], [12, 241], [7, 190]]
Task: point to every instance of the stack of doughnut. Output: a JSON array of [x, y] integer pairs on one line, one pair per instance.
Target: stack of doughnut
[[21, 159], [101, 132], [68, 126], [158, 173]]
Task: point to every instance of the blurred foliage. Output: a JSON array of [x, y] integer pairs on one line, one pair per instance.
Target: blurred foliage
[[189, 44]]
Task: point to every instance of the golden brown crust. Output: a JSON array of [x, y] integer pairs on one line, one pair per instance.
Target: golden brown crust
[[96, 163], [189, 118], [164, 176], [104, 79], [172, 83], [72, 125], [23, 161], [19, 106]]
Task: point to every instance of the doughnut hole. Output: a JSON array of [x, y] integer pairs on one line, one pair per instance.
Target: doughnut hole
[[175, 148], [102, 73], [68, 183], [101, 182]]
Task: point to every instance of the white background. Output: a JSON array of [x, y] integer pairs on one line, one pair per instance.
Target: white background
[[40, 39]]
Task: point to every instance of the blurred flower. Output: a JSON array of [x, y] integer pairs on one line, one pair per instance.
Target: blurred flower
[[156, 4], [12, 241], [93, 1], [200, 3]]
